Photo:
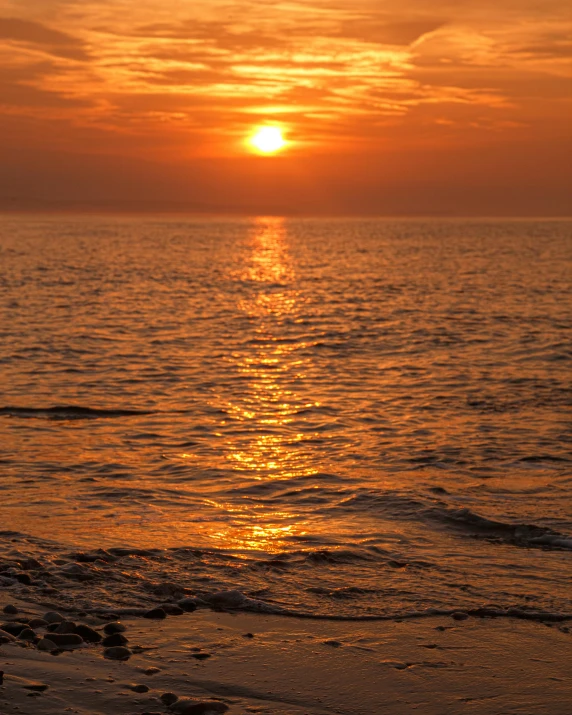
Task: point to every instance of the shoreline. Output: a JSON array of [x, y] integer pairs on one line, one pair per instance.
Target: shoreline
[[276, 665]]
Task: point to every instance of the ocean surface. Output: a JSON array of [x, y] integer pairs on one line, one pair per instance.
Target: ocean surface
[[335, 418]]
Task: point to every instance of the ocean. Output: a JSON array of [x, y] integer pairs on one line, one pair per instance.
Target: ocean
[[350, 418]]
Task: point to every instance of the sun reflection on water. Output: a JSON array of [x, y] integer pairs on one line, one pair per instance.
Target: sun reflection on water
[[261, 440]]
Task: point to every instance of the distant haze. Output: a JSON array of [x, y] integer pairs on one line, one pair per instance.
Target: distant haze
[[399, 108]]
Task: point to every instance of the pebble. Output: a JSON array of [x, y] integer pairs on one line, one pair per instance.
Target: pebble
[[169, 698], [139, 688], [6, 637], [172, 610], [14, 629], [188, 604], [201, 656], [47, 645], [198, 707], [333, 644], [117, 653], [11, 610], [152, 671], [115, 639], [65, 640], [155, 613], [115, 627], [23, 578], [248, 635], [66, 627], [88, 634], [27, 634], [37, 623], [460, 616], [53, 617]]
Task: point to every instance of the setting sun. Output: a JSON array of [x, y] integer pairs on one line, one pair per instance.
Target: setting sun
[[268, 140]]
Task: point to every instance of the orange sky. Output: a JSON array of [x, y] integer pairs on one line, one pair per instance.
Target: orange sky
[[391, 106]]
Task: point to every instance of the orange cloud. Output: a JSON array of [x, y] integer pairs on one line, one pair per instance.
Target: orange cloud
[[174, 82]]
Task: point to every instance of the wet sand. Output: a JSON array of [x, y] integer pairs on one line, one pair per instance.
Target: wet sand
[[285, 666]]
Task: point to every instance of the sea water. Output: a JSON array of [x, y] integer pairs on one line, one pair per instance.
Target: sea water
[[341, 418]]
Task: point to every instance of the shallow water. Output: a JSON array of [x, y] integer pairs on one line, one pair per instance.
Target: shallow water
[[351, 417]]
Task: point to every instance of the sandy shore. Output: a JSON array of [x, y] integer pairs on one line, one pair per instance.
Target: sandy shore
[[284, 666]]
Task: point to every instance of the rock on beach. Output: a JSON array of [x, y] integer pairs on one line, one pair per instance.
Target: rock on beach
[[88, 634], [115, 639], [115, 627], [155, 613], [117, 653], [65, 640], [53, 617]]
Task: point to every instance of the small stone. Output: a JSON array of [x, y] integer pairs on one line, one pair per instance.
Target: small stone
[[333, 644], [27, 634], [248, 635], [88, 634], [10, 610], [65, 640], [117, 653], [23, 578], [65, 627], [152, 671], [37, 623], [172, 610], [139, 688], [115, 639], [440, 628], [201, 656], [14, 629], [115, 627], [460, 616], [188, 604], [198, 707], [155, 613], [6, 637], [47, 645], [53, 617], [169, 698]]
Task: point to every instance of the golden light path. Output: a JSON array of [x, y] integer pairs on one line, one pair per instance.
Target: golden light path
[[268, 140], [267, 408]]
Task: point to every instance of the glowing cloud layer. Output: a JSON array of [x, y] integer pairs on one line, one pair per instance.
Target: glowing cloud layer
[[167, 80]]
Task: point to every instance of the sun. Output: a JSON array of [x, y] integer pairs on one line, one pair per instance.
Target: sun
[[268, 140]]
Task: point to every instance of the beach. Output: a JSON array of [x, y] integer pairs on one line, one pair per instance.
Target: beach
[[287, 666]]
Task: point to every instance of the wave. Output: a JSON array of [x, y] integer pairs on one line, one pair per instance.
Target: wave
[[403, 507], [70, 412], [517, 534], [368, 583]]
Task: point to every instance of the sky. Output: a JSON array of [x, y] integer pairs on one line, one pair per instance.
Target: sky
[[388, 107]]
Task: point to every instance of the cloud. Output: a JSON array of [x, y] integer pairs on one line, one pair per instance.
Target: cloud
[[403, 33], [52, 41]]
